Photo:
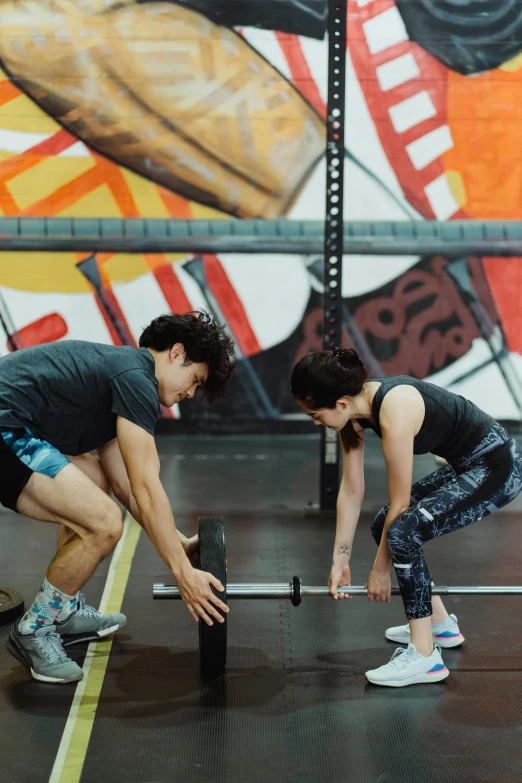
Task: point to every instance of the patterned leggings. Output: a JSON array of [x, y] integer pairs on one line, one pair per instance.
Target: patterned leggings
[[449, 499]]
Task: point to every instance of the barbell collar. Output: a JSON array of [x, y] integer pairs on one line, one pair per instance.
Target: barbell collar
[[289, 591]]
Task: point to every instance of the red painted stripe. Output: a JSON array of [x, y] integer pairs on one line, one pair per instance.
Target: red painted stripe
[[505, 281], [229, 302], [300, 70], [48, 329], [231, 306], [58, 142], [172, 289], [433, 79]]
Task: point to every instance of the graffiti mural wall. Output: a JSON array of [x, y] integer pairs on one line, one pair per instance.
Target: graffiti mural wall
[[216, 109]]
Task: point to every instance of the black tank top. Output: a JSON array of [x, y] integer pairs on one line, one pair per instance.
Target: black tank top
[[452, 425]]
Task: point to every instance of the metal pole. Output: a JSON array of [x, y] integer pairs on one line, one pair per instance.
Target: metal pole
[[333, 230], [246, 591], [252, 244], [285, 591]]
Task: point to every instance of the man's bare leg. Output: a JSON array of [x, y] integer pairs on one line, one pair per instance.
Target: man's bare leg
[[94, 523], [89, 465], [73, 500]]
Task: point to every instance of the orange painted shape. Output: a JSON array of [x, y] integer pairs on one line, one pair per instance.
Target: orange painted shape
[[118, 186], [485, 119], [11, 167], [8, 91], [67, 195], [178, 207], [8, 205]]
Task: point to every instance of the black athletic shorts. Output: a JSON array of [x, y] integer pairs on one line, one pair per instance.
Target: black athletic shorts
[[14, 475]]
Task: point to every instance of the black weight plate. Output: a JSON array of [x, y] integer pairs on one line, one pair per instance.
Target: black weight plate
[[212, 558], [11, 605]]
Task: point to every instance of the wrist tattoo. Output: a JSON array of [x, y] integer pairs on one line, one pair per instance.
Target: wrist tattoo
[[344, 549]]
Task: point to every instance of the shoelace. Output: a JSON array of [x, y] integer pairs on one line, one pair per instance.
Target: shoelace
[[401, 657], [50, 647], [85, 610]]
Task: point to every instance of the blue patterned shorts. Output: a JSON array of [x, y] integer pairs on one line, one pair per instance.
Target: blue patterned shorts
[[37, 454]]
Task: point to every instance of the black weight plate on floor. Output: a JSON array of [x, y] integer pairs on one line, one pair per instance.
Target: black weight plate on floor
[[11, 605], [212, 558]]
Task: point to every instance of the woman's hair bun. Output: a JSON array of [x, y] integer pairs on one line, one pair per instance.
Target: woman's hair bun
[[347, 357]]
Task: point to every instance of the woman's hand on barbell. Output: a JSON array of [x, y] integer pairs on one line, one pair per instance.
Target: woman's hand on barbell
[[379, 585], [339, 577]]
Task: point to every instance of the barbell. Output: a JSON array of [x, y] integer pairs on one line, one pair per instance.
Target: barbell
[[212, 558]]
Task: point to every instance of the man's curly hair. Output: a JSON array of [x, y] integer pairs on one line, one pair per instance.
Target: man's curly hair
[[204, 340]]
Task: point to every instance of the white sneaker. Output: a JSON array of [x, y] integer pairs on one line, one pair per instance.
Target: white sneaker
[[445, 634], [408, 667]]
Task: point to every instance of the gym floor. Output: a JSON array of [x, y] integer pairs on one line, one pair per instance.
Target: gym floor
[[294, 705]]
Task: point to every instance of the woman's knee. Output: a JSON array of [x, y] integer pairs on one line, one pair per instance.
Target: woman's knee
[[400, 534]]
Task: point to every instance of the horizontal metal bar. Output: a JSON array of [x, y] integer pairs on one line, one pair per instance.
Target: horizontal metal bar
[[187, 245], [164, 228], [249, 591], [439, 590], [256, 245], [282, 591], [302, 237]]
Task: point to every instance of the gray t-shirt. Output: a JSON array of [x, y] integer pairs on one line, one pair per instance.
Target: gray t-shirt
[[69, 393]]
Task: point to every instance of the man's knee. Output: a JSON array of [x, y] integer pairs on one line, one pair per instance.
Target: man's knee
[[105, 533]]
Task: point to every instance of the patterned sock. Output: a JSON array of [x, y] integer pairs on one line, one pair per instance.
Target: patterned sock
[[47, 606], [69, 607]]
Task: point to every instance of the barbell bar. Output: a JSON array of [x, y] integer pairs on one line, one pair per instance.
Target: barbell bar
[[212, 558], [282, 591]]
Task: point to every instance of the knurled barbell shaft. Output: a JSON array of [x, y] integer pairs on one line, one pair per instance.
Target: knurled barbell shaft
[[234, 591], [282, 591]]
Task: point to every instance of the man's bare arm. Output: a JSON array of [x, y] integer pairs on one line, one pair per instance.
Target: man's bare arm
[[138, 450], [145, 493], [114, 468]]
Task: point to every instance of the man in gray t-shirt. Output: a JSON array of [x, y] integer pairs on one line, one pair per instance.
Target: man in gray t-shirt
[[60, 402]]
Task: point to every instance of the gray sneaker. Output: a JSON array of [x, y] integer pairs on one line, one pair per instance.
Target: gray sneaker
[[43, 655], [88, 624], [445, 634]]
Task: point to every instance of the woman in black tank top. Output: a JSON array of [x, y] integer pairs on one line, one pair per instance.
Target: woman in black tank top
[[484, 473]]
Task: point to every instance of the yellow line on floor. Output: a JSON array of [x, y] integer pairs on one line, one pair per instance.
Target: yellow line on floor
[[71, 754]]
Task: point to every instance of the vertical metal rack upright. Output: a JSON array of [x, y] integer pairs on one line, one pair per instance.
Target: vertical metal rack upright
[[333, 232]]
